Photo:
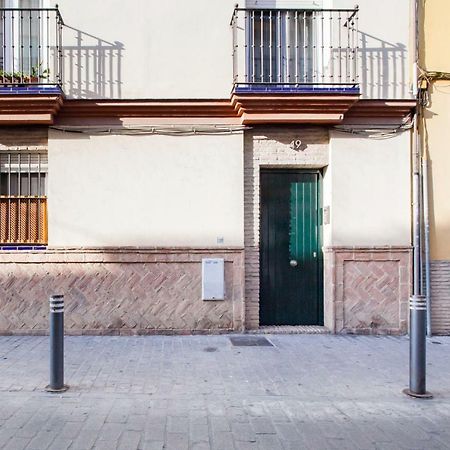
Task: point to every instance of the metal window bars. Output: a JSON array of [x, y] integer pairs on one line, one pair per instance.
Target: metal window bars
[[31, 46], [289, 48], [23, 200]]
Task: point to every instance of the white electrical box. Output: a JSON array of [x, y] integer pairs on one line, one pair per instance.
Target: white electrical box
[[213, 279]]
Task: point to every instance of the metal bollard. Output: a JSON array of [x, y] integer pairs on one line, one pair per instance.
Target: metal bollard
[[417, 348], [56, 345]]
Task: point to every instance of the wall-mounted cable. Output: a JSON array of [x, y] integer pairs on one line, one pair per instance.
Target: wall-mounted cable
[[172, 130]]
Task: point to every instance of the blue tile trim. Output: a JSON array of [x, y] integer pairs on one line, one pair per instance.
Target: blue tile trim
[[30, 89], [285, 89], [22, 247]]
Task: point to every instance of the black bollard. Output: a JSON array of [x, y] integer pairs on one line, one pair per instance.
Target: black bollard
[[417, 347], [57, 345]]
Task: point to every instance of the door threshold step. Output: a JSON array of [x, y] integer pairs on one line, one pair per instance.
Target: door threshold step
[[290, 329]]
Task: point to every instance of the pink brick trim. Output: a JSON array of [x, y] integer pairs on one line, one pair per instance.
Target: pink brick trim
[[119, 291], [269, 147], [367, 289]]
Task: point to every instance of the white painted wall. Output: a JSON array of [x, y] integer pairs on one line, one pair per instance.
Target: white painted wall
[[182, 49], [145, 190], [384, 40], [148, 48], [188, 191], [284, 3], [370, 188]]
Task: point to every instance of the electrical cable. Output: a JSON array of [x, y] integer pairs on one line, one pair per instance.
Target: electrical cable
[[173, 130], [378, 132]]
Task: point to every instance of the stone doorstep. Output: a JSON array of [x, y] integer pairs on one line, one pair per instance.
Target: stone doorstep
[[289, 329]]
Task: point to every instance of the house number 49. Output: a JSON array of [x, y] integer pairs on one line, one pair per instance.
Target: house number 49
[[296, 144]]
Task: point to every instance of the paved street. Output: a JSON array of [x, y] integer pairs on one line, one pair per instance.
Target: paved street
[[201, 392]]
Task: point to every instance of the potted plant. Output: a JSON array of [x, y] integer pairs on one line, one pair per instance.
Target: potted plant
[[24, 78]]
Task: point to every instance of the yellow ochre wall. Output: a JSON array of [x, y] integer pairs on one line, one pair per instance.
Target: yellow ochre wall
[[435, 56]]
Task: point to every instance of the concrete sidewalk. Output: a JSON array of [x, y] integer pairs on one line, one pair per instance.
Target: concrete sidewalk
[[200, 392]]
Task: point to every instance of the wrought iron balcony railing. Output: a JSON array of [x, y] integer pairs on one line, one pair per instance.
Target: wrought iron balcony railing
[[31, 47], [295, 50]]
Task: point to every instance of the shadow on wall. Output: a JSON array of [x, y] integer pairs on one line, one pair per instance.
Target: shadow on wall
[[92, 67], [384, 71]]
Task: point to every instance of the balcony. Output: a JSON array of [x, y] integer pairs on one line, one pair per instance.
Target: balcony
[[31, 65], [300, 64]]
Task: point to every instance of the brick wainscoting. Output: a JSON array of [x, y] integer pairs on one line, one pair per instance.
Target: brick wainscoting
[[118, 291], [440, 297], [271, 147], [367, 289]]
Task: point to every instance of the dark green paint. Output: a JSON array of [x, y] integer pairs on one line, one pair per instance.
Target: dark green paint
[[290, 230]]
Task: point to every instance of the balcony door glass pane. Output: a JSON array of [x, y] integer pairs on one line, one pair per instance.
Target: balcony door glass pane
[[279, 47], [30, 34], [20, 35]]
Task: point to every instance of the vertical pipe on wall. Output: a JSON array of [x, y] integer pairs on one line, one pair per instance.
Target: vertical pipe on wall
[[426, 221], [416, 156], [416, 207]]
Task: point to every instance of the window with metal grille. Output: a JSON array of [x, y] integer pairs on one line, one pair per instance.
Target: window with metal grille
[[23, 199], [280, 46]]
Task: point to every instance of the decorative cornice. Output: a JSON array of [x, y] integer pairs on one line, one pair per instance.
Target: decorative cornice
[[147, 108], [243, 109], [32, 109], [292, 108], [387, 111]]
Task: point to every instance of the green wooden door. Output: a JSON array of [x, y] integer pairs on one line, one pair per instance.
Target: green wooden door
[[290, 250]]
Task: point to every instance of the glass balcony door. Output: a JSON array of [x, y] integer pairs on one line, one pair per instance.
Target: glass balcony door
[[23, 38], [280, 47]]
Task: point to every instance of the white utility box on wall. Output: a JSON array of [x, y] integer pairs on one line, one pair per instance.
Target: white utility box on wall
[[213, 279]]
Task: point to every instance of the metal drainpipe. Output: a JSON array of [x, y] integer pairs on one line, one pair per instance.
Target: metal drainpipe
[[416, 154], [416, 206], [426, 221]]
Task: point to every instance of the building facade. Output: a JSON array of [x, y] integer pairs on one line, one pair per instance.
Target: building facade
[[143, 144], [435, 135]]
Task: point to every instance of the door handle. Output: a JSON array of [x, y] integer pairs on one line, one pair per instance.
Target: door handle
[[293, 263]]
